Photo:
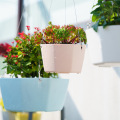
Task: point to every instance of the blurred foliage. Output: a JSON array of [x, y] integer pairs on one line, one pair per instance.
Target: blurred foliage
[[106, 12]]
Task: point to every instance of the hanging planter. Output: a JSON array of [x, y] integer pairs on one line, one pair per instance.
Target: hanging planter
[[103, 37], [104, 48], [63, 58], [30, 94], [62, 52]]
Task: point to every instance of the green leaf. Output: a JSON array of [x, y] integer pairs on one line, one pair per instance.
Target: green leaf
[[28, 63], [95, 26]]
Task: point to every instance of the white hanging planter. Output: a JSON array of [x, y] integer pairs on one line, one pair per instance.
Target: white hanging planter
[[104, 46], [63, 58]]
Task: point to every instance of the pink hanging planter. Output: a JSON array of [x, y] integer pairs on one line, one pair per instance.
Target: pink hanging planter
[[63, 58]]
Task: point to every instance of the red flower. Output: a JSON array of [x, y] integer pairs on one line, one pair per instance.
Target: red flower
[[16, 46], [38, 29], [28, 33], [12, 42], [8, 50], [16, 56], [23, 37], [12, 55], [4, 48], [19, 41], [5, 56], [28, 27], [16, 62], [21, 33]]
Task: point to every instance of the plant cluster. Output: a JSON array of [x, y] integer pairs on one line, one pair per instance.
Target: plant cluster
[[25, 56], [67, 34], [106, 12], [4, 49]]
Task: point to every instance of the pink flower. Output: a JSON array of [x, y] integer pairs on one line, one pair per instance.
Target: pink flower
[[35, 28], [12, 55], [38, 29], [28, 27], [16, 56], [5, 56], [21, 33], [12, 42], [8, 50]]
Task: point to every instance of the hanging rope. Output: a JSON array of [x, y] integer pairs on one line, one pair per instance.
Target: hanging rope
[[65, 12], [75, 11], [77, 21], [19, 22], [90, 21]]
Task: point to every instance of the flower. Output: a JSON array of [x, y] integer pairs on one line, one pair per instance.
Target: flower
[[16, 62], [18, 41], [4, 49], [67, 34], [28, 27], [25, 55], [12, 55], [5, 56], [8, 50], [16, 56]]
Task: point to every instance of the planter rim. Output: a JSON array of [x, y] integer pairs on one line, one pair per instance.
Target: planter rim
[[34, 78], [106, 27], [63, 44]]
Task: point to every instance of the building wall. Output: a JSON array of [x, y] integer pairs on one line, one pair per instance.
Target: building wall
[[94, 94]]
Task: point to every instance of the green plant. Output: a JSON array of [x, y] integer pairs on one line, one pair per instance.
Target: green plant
[[67, 34], [106, 12], [23, 59]]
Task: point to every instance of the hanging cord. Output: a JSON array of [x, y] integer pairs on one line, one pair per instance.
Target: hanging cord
[[89, 23], [39, 69], [77, 22], [17, 33], [49, 10], [20, 19], [50, 6], [65, 12], [40, 46]]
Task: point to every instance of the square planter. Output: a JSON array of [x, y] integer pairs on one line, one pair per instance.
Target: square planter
[[29, 94], [104, 46], [63, 58]]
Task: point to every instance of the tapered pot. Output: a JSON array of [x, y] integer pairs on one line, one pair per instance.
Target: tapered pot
[[104, 46], [30, 94], [63, 58]]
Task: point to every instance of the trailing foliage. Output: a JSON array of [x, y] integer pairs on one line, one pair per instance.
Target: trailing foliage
[[23, 58], [67, 34], [106, 12]]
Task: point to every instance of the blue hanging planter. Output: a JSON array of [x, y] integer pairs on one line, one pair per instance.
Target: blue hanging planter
[[30, 94]]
